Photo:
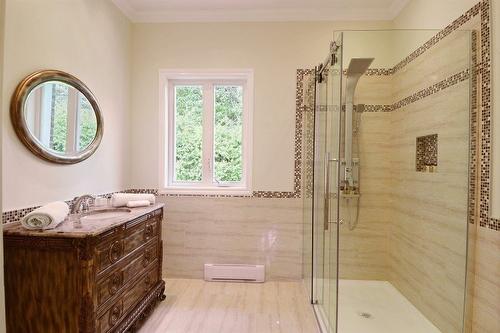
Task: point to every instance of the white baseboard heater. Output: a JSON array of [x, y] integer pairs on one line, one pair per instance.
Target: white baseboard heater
[[235, 273]]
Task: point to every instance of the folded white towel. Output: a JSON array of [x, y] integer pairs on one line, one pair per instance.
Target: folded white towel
[[121, 199], [138, 203], [46, 217]]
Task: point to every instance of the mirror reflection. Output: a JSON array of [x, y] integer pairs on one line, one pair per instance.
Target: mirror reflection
[[60, 117]]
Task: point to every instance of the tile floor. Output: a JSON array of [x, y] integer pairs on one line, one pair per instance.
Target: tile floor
[[196, 306]]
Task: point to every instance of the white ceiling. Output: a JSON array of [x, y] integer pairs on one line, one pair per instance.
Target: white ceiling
[[259, 10]]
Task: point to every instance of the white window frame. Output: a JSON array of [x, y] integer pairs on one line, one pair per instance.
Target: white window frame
[[167, 79]]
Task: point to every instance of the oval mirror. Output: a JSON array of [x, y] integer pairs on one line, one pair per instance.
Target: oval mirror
[[56, 116]]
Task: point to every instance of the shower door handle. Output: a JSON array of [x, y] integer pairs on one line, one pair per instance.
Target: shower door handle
[[326, 216]]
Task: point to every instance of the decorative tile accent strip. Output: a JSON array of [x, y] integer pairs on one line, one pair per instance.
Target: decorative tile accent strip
[[473, 127], [157, 193], [486, 101], [474, 11], [379, 72], [16, 215], [494, 224], [480, 8], [435, 88], [304, 97], [378, 108], [375, 72]]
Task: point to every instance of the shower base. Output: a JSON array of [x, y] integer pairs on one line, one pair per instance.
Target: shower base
[[378, 307]]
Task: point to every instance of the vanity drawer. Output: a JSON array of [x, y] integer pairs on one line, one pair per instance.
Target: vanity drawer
[[120, 242], [131, 268], [117, 311], [108, 253], [139, 233]]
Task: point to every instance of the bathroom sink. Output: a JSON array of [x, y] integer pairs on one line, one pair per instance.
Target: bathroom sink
[[107, 213]]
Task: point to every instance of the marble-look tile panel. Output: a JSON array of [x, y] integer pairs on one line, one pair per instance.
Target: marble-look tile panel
[[429, 219], [486, 305], [232, 231], [363, 250], [374, 90], [449, 57]]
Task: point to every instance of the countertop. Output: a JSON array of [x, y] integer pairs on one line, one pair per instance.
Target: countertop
[[88, 227]]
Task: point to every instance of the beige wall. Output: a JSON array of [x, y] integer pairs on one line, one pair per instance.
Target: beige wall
[[2, 298], [431, 14], [273, 50], [91, 40]]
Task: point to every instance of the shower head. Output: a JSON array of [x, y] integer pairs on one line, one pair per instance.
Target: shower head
[[358, 66]]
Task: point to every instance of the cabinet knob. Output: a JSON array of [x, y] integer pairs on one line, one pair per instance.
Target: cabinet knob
[[148, 232]]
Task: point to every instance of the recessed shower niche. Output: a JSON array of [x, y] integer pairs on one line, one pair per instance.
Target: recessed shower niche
[[427, 153]]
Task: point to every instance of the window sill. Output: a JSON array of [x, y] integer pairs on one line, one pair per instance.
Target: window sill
[[239, 191]]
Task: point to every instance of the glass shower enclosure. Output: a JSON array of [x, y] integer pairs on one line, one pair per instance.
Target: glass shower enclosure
[[386, 198], [326, 172]]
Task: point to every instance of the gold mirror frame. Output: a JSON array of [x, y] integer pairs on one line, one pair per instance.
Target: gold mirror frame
[[20, 127]]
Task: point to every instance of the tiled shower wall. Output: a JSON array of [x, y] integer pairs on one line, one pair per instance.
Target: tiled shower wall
[[412, 227], [364, 252], [428, 231]]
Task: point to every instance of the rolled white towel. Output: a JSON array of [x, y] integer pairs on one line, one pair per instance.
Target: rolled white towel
[[121, 199], [138, 203], [46, 217]]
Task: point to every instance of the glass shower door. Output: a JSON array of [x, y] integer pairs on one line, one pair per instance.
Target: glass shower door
[[326, 187]]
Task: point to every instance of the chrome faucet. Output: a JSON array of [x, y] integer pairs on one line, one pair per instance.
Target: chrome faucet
[[81, 202]]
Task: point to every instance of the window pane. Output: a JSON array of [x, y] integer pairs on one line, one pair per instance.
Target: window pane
[[59, 121], [228, 131], [88, 123], [188, 133]]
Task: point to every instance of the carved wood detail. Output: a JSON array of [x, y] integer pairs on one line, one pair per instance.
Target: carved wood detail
[[103, 283]]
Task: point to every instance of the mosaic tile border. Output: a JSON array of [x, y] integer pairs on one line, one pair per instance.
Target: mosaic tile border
[[485, 219], [466, 17], [435, 88], [301, 107], [16, 215], [473, 143], [481, 133], [376, 72], [378, 108], [421, 94]]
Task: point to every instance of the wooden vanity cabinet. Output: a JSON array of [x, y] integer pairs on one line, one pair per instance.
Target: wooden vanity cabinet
[[99, 283]]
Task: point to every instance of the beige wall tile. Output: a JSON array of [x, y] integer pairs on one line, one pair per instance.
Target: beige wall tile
[[429, 222], [232, 231], [486, 302]]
